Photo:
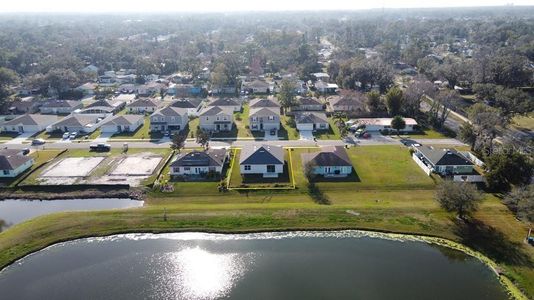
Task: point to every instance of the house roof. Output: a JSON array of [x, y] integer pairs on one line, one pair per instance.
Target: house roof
[[262, 102], [309, 101], [260, 84], [224, 102], [76, 120], [61, 103], [264, 111], [346, 101], [444, 157], [145, 102], [323, 85], [187, 103], [328, 156], [32, 119], [11, 159], [171, 111], [216, 110], [124, 120], [100, 103], [261, 155], [209, 158], [310, 117], [88, 86]]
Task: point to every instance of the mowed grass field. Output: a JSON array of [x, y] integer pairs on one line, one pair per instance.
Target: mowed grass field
[[388, 193]]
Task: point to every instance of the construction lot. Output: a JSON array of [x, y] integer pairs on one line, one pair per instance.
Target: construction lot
[[133, 168]]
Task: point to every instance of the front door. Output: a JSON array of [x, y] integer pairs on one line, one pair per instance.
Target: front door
[[261, 126], [21, 129], [218, 127]]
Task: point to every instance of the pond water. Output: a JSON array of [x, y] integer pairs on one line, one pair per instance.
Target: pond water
[[16, 211], [297, 265]]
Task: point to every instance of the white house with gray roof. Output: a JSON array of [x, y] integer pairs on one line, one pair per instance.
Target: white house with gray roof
[[193, 105], [265, 160], [141, 106], [122, 123], [168, 119], [216, 118], [13, 163], [330, 161], [443, 161], [264, 115], [60, 106], [199, 163], [311, 120], [77, 123], [308, 103], [235, 104], [31, 123]]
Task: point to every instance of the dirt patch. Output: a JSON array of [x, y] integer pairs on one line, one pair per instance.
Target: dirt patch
[[73, 167], [136, 165]]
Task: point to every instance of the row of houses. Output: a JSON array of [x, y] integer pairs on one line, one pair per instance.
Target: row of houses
[[267, 161]]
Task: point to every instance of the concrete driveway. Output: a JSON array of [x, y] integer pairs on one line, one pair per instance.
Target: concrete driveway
[[306, 135], [19, 139]]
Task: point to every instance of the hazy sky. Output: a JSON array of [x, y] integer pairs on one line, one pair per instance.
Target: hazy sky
[[230, 5]]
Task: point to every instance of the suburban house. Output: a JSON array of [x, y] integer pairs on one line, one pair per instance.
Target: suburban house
[[216, 118], [326, 88], [104, 107], [13, 163], [183, 90], [330, 161], [199, 163], [60, 106], [224, 90], [263, 102], [311, 120], [443, 161], [256, 87], [264, 118], [126, 98], [122, 123], [321, 76], [88, 89], [193, 105], [150, 88], [141, 106], [77, 123], [228, 102], [27, 105], [29, 123], [379, 124], [346, 104], [169, 119], [308, 103], [264, 160]]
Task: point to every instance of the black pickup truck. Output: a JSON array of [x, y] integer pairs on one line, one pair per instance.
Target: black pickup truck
[[100, 147]]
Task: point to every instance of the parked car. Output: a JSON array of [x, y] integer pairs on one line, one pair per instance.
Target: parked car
[[66, 135], [73, 135], [37, 142], [273, 131], [100, 147], [25, 151]]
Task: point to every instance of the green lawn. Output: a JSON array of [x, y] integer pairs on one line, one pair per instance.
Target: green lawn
[[241, 122], [331, 134], [56, 135], [524, 122], [287, 132], [424, 134], [40, 157], [192, 127], [390, 194], [8, 135]]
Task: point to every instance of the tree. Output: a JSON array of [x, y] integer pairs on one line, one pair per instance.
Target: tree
[[486, 121], [513, 102], [394, 99], [7, 78], [178, 141], [398, 124], [485, 91], [203, 138], [286, 96], [439, 110], [521, 201], [309, 170], [413, 94], [467, 134], [373, 102], [218, 76], [461, 198], [508, 167]]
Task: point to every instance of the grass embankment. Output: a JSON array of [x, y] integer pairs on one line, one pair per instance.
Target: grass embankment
[[390, 194]]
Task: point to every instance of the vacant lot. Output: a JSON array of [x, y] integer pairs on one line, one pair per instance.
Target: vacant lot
[[73, 167], [142, 164]]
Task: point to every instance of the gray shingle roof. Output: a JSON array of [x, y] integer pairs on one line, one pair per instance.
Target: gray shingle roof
[[310, 117], [61, 103], [309, 101], [262, 102], [187, 103], [328, 156], [209, 158], [224, 102], [124, 120], [146, 102], [32, 119], [444, 157], [76, 120], [261, 155], [216, 110], [11, 159], [171, 111], [264, 111]]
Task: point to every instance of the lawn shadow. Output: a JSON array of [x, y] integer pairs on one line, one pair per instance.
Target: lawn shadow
[[352, 177], [258, 178], [492, 242], [317, 195]]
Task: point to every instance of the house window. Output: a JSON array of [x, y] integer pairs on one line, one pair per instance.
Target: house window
[[187, 168], [322, 125], [254, 119], [247, 168], [172, 118], [217, 118], [271, 118], [270, 169], [6, 172], [177, 170]]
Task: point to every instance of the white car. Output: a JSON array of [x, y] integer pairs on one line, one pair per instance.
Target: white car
[[66, 135], [73, 135]]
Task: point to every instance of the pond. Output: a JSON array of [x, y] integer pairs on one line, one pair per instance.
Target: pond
[[16, 211], [296, 265]]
